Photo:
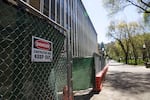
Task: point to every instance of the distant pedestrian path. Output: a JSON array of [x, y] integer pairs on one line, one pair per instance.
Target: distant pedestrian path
[[125, 82]]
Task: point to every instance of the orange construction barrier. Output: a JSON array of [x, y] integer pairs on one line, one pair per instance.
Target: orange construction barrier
[[100, 78], [99, 81]]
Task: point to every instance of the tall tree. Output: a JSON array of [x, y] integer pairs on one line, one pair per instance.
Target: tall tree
[[147, 43], [146, 18], [118, 32], [113, 50], [133, 29]]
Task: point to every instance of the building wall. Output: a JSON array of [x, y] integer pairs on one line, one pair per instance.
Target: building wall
[[72, 15]]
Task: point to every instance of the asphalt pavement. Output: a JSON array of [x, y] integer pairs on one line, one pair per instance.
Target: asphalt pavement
[[123, 82]]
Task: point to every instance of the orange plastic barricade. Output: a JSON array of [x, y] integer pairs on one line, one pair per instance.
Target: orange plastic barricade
[[100, 78]]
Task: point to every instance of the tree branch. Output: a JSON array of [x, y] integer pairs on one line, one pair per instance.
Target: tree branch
[[145, 10], [145, 3], [122, 46], [120, 42]]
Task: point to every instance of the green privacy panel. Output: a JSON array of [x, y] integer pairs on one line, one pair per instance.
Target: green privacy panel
[[83, 73]]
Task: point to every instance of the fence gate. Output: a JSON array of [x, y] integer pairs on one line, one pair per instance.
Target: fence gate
[[23, 79]]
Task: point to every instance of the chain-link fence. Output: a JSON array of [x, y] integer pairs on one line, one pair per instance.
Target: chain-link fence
[[85, 70], [21, 78], [99, 62], [83, 73]]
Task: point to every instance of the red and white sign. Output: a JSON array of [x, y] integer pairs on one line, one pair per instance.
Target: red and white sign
[[41, 50], [44, 45]]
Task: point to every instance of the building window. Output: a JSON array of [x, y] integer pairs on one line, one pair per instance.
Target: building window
[[34, 3], [62, 12], [53, 9], [67, 14], [46, 7], [58, 11]]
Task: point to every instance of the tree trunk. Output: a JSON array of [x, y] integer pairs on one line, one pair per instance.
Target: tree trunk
[[135, 54], [135, 59], [126, 58]]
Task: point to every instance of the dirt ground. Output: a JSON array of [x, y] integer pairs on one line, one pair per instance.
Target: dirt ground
[[123, 82]]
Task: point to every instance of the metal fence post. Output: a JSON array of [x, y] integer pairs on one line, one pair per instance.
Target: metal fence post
[[69, 67]]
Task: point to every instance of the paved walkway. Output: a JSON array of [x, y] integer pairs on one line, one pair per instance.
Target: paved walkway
[[123, 82]]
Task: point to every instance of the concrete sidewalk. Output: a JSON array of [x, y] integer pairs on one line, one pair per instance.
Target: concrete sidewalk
[[123, 82]]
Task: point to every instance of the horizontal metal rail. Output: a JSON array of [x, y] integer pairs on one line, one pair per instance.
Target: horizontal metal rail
[[41, 14]]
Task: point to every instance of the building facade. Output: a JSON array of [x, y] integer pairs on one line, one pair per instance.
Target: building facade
[[72, 15]]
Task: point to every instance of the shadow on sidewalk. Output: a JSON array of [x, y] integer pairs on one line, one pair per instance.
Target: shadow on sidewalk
[[85, 96], [132, 83]]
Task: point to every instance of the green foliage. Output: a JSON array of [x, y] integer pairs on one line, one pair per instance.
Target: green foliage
[[114, 50], [146, 18], [147, 43], [139, 61]]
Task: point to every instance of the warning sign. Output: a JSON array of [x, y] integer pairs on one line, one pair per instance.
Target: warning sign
[[42, 50]]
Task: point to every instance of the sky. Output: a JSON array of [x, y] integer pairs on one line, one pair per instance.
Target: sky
[[100, 19]]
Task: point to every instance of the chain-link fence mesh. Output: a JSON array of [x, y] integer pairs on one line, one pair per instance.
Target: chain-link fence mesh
[[20, 78], [83, 73], [99, 62], [85, 70]]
